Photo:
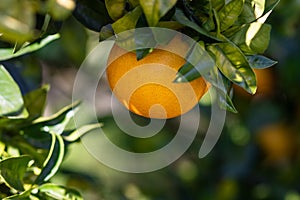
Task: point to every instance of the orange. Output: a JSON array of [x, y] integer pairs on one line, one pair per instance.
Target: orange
[[146, 87], [277, 142]]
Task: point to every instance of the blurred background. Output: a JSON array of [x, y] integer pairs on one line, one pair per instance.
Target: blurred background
[[256, 157]]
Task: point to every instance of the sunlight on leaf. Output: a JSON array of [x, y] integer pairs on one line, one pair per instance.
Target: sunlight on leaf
[[54, 159], [6, 54], [11, 100]]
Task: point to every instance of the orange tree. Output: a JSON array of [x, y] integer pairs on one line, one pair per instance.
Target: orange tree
[[232, 36]]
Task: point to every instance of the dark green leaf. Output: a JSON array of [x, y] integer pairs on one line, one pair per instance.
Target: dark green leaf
[[187, 68], [260, 62], [115, 8], [11, 101], [155, 9], [35, 101], [270, 5], [59, 192], [6, 54], [200, 59], [252, 10], [13, 169], [92, 14], [229, 13], [56, 123], [54, 159], [222, 85], [75, 135], [253, 38], [233, 64], [182, 19]]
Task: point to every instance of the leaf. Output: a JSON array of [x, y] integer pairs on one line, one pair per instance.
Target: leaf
[[217, 4], [54, 159], [253, 38], [56, 123], [17, 20], [200, 59], [7, 53], [260, 62], [252, 10], [234, 66], [21, 196], [58, 10], [222, 85], [106, 32], [13, 169], [128, 21], [35, 101], [115, 8], [155, 9], [229, 13], [270, 5], [11, 101], [182, 19], [75, 135], [143, 38], [54, 191], [92, 14]]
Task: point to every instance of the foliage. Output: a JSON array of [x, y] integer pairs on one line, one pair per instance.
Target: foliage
[[232, 35]]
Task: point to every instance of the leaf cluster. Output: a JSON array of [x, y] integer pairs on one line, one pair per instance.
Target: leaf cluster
[[32, 147]]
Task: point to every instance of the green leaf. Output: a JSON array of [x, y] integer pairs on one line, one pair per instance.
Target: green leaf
[[222, 85], [59, 192], [229, 13], [58, 10], [200, 59], [128, 21], [233, 64], [21, 196], [260, 62], [182, 19], [11, 101], [8, 53], [92, 14], [56, 123], [13, 169], [75, 135], [155, 9], [143, 38], [253, 38], [115, 8], [252, 10], [54, 159], [217, 4], [34, 101], [17, 20], [270, 5]]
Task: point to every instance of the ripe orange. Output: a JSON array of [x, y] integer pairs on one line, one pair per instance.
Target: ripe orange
[[146, 87]]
